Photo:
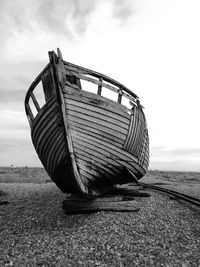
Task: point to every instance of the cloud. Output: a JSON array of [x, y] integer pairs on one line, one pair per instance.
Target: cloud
[[8, 95], [15, 79], [65, 17], [61, 13], [30, 28], [52, 16], [122, 10]]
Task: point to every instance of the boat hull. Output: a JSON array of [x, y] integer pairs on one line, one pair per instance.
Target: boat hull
[[102, 141], [86, 142]]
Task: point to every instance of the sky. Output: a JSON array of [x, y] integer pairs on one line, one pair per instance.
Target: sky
[[151, 46]]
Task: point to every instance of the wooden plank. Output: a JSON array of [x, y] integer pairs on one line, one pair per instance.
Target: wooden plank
[[93, 125], [44, 109], [135, 135], [107, 149], [74, 105], [95, 163], [60, 79], [96, 113], [53, 152], [97, 152], [89, 177], [50, 148], [102, 83], [96, 158], [59, 157], [78, 69], [29, 114], [108, 139], [96, 100], [35, 101], [48, 84], [100, 86], [71, 206], [104, 145], [101, 134], [96, 122], [47, 140], [38, 129], [92, 171], [89, 165], [119, 100], [144, 154], [110, 159], [43, 131], [140, 138], [47, 113]]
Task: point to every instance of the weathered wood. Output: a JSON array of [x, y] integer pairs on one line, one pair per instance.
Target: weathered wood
[[135, 135], [97, 101], [100, 86], [113, 159], [99, 204], [107, 149], [49, 110], [96, 111], [78, 69], [84, 140], [115, 119], [48, 84], [35, 101], [87, 160], [29, 114], [84, 152], [60, 80], [49, 142], [93, 125], [98, 122], [120, 96], [100, 134]]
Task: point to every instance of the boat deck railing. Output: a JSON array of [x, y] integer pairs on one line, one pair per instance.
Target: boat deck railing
[[101, 81], [31, 96], [81, 74]]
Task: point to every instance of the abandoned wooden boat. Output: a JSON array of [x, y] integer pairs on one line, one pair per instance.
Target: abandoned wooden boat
[[86, 141]]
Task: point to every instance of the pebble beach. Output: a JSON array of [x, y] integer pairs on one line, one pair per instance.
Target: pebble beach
[[35, 231]]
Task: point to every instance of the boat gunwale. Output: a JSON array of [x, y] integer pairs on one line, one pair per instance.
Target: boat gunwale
[[100, 75]]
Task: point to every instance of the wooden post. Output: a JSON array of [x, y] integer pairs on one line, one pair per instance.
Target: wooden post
[[29, 114], [120, 96], [99, 86], [35, 101]]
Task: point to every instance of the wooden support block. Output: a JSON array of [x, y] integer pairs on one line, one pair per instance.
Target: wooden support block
[[108, 203]]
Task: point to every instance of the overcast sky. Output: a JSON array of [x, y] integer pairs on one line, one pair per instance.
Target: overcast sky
[[151, 46]]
